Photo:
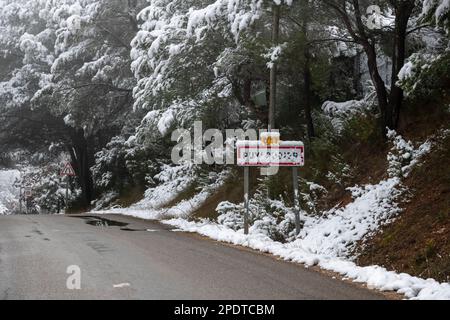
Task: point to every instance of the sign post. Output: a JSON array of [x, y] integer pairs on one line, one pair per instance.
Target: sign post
[[18, 183], [296, 199], [246, 197], [20, 198], [28, 193], [67, 190], [271, 152], [68, 172]]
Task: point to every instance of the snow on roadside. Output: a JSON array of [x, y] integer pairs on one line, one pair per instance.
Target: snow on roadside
[[174, 181], [374, 276], [328, 241], [3, 209], [337, 232], [183, 209], [8, 193]]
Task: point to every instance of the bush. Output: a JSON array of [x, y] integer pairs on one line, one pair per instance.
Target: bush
[[424, 75], [361, 129]]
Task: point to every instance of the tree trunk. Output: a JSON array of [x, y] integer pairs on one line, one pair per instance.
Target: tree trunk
[[307, 76], [242, 91], [389, 106], [403, 14], [83, 157], [382, 95]]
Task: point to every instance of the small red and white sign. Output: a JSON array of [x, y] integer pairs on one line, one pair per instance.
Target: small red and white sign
[[257, 154], [68, 170]]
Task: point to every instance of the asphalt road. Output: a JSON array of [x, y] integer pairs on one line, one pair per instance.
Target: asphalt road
[[136, 259]]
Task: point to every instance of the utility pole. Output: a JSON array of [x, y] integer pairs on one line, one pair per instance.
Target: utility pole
[[273, 81], [273, 70]]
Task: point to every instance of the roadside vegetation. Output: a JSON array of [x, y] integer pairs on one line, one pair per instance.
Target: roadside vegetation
[[102, 84]]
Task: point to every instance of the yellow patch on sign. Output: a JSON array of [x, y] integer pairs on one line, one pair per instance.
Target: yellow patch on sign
[[270, 138]]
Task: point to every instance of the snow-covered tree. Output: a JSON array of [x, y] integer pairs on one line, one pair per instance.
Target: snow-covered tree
[[437, 12], [70, 73], [368, 27], [187, 54], [429, 67]]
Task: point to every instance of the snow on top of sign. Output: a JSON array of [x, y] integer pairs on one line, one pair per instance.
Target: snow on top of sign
[[292, 144], [254, 143], [269, 134]]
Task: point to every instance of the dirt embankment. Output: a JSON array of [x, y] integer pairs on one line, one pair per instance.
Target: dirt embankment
[[418, 242]]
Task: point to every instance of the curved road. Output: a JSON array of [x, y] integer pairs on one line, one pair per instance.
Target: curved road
[[125, 258]]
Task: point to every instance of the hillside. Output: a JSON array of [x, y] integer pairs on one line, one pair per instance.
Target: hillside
[[338, 111], [418, 241]]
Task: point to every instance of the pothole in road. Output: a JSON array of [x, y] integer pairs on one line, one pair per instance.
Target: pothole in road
[[103, 222]]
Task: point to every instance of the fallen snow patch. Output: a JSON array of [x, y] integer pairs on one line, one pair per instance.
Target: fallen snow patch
[[337, 232], [174, 180], [374, 276], [9, 194], [328, 241]]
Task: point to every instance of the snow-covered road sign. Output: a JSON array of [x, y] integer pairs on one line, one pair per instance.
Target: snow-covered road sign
[[67, 170], [270, 152], [257, 154]]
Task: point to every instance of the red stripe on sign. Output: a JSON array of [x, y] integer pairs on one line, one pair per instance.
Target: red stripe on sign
[[271, 164], [280, 147]]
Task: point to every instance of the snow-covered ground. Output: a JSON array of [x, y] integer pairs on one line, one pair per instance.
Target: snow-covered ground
[[174, 180], [143, 210], [328, 239], [299, 251], [9, 194]]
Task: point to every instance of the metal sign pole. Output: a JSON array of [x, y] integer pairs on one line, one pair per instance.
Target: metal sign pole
[[67, 191], [20, 198], [296, 200], [246, 198]]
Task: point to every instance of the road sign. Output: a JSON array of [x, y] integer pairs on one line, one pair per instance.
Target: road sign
[[271, 152], [67, 170], [28, 193], [258, 154]]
